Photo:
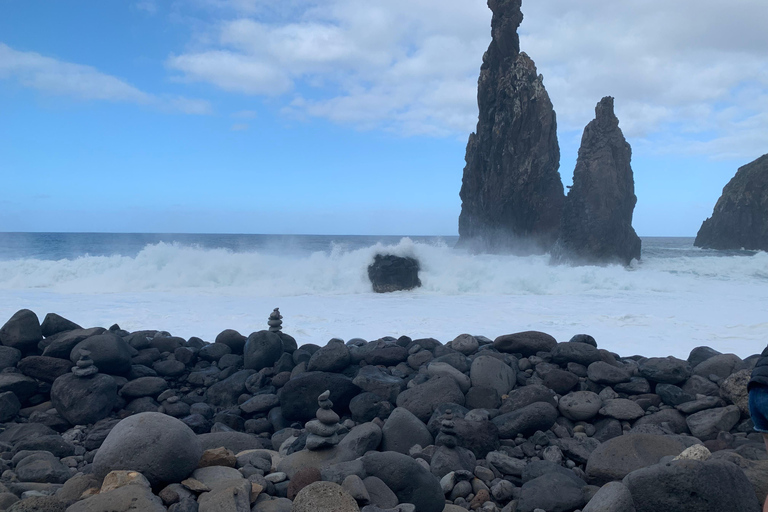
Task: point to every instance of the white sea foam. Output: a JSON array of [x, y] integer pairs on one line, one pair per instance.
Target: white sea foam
[[658, 307]]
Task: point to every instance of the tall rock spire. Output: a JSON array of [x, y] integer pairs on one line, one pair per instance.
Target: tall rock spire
[[597, 216], [511, 191]]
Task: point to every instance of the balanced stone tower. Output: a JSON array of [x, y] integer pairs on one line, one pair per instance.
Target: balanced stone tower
[[323, 430], [275, 321], [740, 217], [511, 192], [597, 216]]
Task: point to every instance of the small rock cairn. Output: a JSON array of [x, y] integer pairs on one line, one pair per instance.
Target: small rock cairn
[[447, 435], [84, 366], [275, 321], [323, 430]]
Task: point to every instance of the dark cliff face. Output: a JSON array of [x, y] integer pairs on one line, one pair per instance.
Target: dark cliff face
[[597, 215], [740, 217], [511, 191]]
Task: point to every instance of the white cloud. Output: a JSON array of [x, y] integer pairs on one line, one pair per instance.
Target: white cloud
[[404, 65], [239, 127], [677, 69], [53, 76]]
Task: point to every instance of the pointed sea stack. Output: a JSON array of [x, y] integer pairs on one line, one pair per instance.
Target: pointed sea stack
[[740, 218], [597, 216], [511, 191]]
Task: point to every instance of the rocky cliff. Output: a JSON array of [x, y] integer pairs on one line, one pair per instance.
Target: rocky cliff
[[597, 215], [740, 218], [511, 191]]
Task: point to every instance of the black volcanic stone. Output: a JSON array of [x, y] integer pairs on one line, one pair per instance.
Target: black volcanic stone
[[581, 353], [54, 324], [298, 398], [233, 339], [110, 353], [511, 191], [262, 349], [526, 421], [666, 370], [597, 216], [527, 343], [82, 401], [740, 217], [22, 331], [44, 368], [390, 273]]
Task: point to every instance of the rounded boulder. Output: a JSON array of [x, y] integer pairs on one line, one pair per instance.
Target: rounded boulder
[[324, 497], [110, 353], [160, 447], [262, 350], [84, 401]]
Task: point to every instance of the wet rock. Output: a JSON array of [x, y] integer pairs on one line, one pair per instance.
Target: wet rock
[[511, 191], [597, 215], [390, 273], [739, 218]]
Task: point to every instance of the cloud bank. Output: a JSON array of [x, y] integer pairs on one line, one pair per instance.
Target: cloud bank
[[53, 76], [689, 76]]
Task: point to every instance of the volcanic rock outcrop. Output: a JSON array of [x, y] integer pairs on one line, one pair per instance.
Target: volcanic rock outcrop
[[511, 191], [390, 273], [597, 216], [740, 217]]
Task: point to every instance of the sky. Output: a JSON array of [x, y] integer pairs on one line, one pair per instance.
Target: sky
[[350, 117]]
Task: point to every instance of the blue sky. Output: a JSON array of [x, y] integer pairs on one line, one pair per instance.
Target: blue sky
[[348, 117]]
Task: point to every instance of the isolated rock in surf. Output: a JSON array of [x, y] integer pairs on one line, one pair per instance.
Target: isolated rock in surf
[[390, 273], [511, 192], [740, 217], [597, 216]]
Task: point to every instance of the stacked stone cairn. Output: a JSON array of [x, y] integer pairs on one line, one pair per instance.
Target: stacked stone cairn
[[275, 321], [323, 430], [95, 419], [84, 366]]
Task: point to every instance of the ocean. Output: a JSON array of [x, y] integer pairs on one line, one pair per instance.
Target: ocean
[[676, 298]]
